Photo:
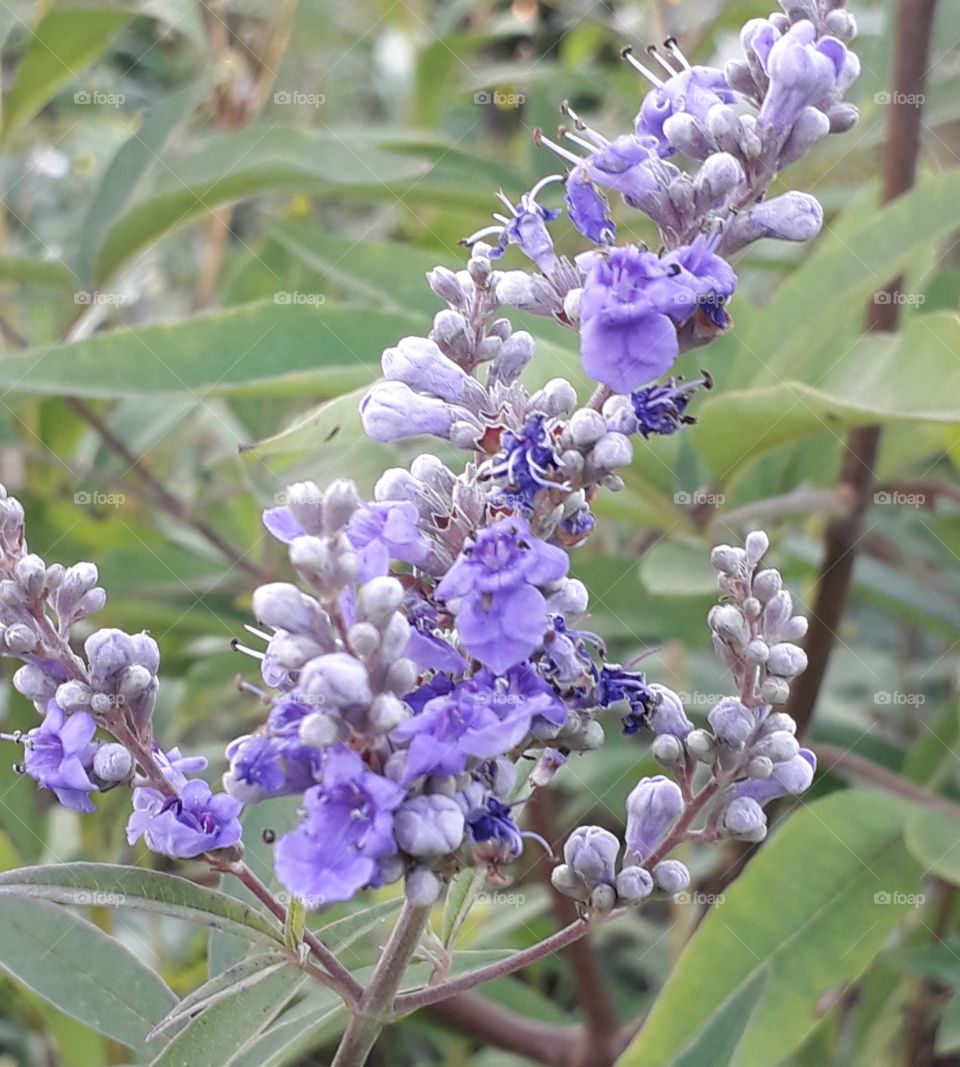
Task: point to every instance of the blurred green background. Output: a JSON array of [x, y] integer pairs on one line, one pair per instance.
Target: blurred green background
[[216, 217]]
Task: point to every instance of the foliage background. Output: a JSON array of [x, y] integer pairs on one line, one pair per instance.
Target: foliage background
[[216, 217]]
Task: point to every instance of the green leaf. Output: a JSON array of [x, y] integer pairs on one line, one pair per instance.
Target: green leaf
[[716, 1043], [460, 897], [225, 167], [228, 1029], [392, 274], [134, 158], [812, 909], [109, 885], [241, 976], [261, 349], [50, 273], [294, 924], [881, 378], [63, 43], [81, 970], [342, 933], [678, 568], [933, 838]]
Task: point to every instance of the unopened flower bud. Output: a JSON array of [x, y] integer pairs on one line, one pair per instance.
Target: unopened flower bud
[[31, 573], [667, 750], [401, 676], [766, 584], [787, 660], [444, 283], [732, 722], [653, 807], [780, 746], [794, 629], [668, 716], [340, 501], [611, 451], [701, 746], [728, 560], [775, 690], [386, 712], [422, 887], [671, 876], [338, 680], [591, 853], [743, 818], [363, 638], [20, 639], [634, 884], [586, 427], [728, 623], [34, 683], [603, 899], [759, 767], [74, 696], [565, 881], [514, 355], [112, 763], [429, 825], [378, 599], [318, 730], [756, 547], [756, 652]]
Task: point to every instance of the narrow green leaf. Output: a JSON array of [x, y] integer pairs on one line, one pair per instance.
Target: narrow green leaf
[[109, 885], [294, 924], [811, 909], [81, 970], [881, 378], [259, 349], [716, 1043], [63, 43], [133, 159], [50, 273], [228, 983], [228, 1029], [460, 897], [225, 167]]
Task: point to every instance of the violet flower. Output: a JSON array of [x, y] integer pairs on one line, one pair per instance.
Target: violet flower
[[59, 755]]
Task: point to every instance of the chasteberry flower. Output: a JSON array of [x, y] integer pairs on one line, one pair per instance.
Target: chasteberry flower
[[59, 756], [186, 825]]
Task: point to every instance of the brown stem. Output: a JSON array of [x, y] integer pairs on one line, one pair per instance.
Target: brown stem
[[161, 496], [348, 987], [914, 24], [593, 995]]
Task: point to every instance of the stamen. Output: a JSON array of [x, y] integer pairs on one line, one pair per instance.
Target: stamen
[[564, 132], [627, 54], [256, 633], [16, 737], [559, 150], [597, 139], [674, 49], [506, 201], [566, 109], [652, 52], [237, 647], [487, 231], [535, 191]]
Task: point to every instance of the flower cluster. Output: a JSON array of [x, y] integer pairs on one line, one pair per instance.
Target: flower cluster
[[722, 776], [434, 636]]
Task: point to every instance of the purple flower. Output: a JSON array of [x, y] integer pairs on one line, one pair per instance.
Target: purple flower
[[384, 532], [481, 717], [187, 825], [346, 831], [709, 279], [616, 684], [429, 825], [588, 209], [426, 647], [493, 588], [527, 461], [392, 410], [692, 91], [263, 766], [59, 755], [491, 825], [661, 409], [281, 523], [627, 337], [803, 72], [591, 852]]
